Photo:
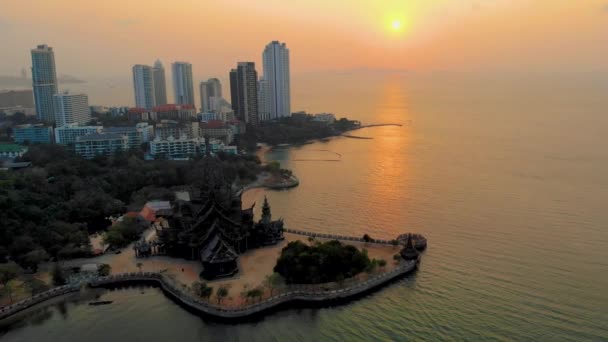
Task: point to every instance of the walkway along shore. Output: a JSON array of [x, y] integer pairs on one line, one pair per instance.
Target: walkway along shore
[[295, 293], [290, 296]]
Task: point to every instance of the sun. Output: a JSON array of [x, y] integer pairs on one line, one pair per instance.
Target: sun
[[396, 25]]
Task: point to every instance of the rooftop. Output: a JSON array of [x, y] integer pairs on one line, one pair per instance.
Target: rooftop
[[99, 137], [170, 107], [12, 148], [119, 129]]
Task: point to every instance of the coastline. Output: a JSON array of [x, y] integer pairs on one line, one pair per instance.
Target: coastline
[[288, 297], [297, 294]]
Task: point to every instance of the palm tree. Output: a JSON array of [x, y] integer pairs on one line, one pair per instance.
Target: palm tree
[[222, 293]]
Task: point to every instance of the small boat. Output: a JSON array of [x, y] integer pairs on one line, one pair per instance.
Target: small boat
[[101, 302]]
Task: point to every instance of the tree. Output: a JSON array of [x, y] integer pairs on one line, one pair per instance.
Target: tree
[[323, 262], [397, 257], [58, 275], [8, 272], [222, 293], [255, 293], [33, 258], [273, 281], [104, 270], [367, 238], [202, 289], [139, 266], [382, 263], [206, 291]]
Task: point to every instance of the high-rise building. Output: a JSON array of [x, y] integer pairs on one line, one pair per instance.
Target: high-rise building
[[244, 92], [160, 84], [182, 83], [276, 76], [44, 81], [143, 84], [263, 110], [71, 108], [210, 90]]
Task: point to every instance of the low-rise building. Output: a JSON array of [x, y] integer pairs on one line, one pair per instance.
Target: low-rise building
[[12, 150], [185, 147], [175, 112], [33, 134], [67, 135], [91, 145], [141, 114], [147, 131], [175, 148], [325, 117], [214, 129], [170, 128]]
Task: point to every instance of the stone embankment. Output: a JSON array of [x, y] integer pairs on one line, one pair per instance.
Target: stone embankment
[[291, 294], [178, 292], [419, 240], [12, 309]]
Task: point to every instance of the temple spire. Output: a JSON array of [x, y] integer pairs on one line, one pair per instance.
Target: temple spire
[[266, 215], [409, 252]]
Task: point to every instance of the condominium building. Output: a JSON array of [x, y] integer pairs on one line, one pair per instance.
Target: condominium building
[[175, 112], [71, 108], [143, 85], [185, 147], [160, 84], [263, 105], [276, 78], [182, 83], [67, 135], [136, 135], [44, 81], [175, 147], [244, 92], [210, 93], [33, 134], [214, 129], [89, 146], [170, 128]]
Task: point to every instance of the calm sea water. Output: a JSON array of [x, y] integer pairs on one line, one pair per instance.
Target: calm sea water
[[507, 176]]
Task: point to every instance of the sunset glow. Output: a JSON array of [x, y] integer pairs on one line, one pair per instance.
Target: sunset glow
[[434, 35]]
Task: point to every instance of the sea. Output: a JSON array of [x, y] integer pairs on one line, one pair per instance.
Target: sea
[[506, 174]]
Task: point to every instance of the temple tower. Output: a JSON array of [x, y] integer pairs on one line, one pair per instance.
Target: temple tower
[[266, 215]]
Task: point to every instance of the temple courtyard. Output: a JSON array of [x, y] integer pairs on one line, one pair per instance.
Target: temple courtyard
[[254, 265]]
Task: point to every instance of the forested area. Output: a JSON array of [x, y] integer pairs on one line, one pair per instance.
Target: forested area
[[296, 129], [48, 210], [325, 262]]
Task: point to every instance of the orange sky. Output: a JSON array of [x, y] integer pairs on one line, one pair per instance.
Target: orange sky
[[97, 38]]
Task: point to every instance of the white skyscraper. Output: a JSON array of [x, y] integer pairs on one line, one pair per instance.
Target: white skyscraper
[[44, 81], [143, 84], [71, 108], [182, 83], [276, 80]]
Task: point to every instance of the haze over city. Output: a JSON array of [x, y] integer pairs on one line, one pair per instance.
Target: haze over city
[[103, 39]]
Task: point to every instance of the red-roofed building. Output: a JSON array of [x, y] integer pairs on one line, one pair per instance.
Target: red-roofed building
[[141, 114], [215, 129], [175, 112]]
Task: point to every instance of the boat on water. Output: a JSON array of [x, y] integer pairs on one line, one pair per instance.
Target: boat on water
[[101, 302]]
